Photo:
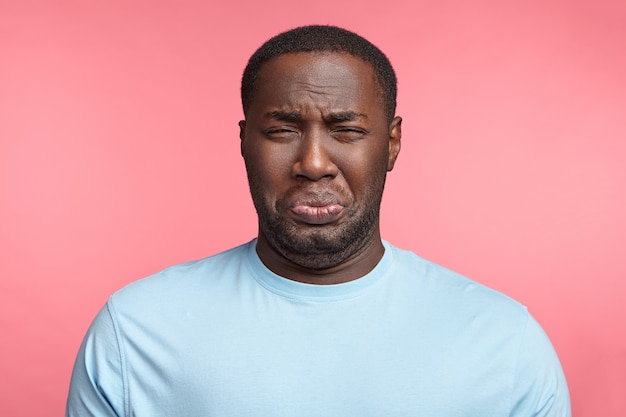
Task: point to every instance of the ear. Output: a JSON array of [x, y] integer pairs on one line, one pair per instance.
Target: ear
[[242, 134], [395, 134]]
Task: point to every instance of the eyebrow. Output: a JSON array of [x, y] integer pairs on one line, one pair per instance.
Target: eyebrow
[[287, 116], [342, 116]]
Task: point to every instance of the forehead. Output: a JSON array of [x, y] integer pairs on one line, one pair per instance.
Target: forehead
[[333, 79]]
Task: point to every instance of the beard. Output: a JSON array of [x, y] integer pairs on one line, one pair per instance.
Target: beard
[[324, 246]]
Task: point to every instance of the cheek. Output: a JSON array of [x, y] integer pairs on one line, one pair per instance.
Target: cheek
[[268, 169], [362, 166]]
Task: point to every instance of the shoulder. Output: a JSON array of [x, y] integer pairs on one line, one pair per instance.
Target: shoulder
[[452, 288], [497, 328], [183, 280]]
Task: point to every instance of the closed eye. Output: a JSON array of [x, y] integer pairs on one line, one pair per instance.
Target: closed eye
[[282, 133], [348, 134]]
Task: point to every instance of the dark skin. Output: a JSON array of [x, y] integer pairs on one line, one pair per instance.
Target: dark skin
[[317, 146]]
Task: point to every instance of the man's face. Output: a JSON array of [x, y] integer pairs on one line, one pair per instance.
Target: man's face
[[317, 146]]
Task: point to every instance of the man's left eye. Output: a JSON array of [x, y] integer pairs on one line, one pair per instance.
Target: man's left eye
[[349, 133]]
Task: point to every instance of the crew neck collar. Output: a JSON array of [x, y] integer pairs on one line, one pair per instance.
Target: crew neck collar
[[313, 292]]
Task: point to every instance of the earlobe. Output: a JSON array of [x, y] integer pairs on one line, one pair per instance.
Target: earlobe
[[242, 134], [395, 136]]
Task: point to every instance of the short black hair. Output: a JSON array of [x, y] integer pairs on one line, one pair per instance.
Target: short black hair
[[321, 38]]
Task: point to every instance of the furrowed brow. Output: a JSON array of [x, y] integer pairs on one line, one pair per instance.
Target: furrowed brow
[[283, 116], [344, 116]]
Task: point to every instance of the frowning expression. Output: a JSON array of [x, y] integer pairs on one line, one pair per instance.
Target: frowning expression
[[317, 145]]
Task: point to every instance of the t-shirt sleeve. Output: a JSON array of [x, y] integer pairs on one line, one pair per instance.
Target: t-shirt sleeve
[[540, 389], [97, 385]]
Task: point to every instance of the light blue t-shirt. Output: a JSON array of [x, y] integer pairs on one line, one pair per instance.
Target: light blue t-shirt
[[224, 336]]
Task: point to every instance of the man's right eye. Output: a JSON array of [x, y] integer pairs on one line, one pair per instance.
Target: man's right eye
[[281, 133]]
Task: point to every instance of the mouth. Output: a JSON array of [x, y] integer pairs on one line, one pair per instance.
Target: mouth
[[316, 213], [316, 209]]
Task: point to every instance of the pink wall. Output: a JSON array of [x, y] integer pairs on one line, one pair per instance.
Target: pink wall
[[119, 156]]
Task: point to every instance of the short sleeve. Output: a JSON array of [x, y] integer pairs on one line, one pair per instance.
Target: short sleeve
[[97, 384], [539, 389]]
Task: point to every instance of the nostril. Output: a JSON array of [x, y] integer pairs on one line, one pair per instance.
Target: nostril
[[314, 162]]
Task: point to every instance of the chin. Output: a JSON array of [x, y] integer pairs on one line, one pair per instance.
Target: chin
[[319, 247]]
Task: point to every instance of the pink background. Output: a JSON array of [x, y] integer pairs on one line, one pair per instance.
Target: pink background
[[119, 156]]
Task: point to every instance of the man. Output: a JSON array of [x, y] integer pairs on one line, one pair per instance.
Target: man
[[317, 316]]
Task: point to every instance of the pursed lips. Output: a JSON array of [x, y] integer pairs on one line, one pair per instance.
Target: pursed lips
[[317, 209]]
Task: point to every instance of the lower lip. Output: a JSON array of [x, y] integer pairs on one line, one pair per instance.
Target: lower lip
[[317, 214]]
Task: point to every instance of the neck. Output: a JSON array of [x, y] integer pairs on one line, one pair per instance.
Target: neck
[[361, 262]]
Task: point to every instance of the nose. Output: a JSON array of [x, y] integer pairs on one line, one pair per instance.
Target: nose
[[315, 157]]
